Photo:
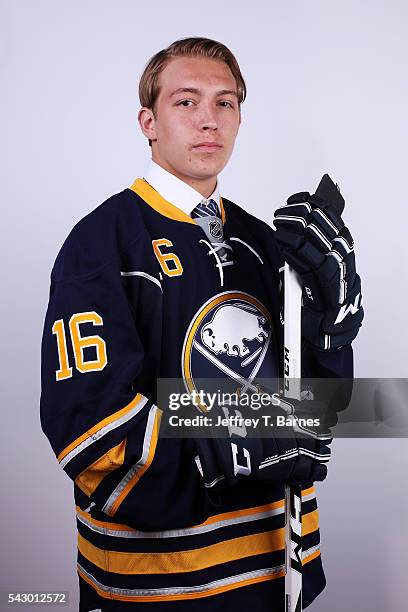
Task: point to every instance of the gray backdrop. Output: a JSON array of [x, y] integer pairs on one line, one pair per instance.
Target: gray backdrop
[[327, 91]]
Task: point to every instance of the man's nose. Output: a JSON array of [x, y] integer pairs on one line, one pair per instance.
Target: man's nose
[[207, 117]]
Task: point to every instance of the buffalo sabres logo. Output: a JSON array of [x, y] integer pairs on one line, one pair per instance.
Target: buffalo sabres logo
[[215, 229], [230, 335], [219, 335]]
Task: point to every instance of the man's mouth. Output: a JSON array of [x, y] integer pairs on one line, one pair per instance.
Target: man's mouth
[[207, 146]]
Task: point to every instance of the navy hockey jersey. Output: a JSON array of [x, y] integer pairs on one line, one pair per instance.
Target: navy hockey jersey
[[132, 287]]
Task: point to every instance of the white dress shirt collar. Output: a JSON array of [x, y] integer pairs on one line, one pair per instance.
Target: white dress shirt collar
[[174, 190]]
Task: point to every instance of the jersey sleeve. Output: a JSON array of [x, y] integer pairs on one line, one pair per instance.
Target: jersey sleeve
[[97, 406]]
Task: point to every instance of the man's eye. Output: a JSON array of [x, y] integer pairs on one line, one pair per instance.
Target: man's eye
[[227, 103], [184, 103]]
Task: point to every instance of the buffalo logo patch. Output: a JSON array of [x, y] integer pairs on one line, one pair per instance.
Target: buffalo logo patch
[[231, 337]]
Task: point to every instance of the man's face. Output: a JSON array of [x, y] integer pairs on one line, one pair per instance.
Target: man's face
[[196, 119]]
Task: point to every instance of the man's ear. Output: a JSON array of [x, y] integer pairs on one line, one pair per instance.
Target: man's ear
[[147, 122]]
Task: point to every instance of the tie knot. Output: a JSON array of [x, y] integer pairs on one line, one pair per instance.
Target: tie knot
[[206, 208]]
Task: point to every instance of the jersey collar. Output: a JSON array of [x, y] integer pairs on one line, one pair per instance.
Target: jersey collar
[[161, 190], [162, 206]]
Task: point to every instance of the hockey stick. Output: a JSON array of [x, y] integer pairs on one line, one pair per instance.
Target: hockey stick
[[293, 493], [292, 375]]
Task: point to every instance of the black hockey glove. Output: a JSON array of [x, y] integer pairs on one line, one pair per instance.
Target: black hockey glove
[[315, 242], [297, 453]]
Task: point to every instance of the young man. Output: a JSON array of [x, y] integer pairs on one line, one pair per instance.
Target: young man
[[167, 279]]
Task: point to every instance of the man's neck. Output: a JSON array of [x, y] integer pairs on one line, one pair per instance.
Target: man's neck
[[204, 186]]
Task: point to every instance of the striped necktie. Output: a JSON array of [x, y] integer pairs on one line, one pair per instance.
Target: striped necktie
[[206, 208]]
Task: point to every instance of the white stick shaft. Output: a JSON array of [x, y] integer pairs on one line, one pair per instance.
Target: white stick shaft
[[293, 499], [292, 329]]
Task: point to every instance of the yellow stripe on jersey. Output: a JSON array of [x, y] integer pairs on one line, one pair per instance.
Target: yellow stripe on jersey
[[89, 435], [223, 216], [241, 513], [308, 491], [162, 206], [185, 560], [182, 593], [216, 520], [192, 592], [190, 560], [311, 557], [310, 522], [136, 471], [91, 477]]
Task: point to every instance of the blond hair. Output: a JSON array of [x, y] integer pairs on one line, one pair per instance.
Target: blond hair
[[149, 87]]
